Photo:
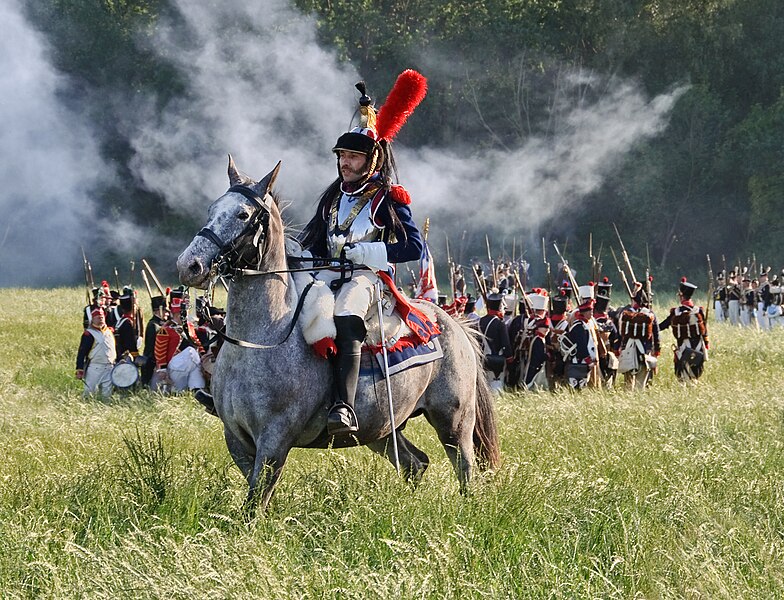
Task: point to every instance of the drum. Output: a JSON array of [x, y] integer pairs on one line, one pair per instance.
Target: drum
[[124, 375]]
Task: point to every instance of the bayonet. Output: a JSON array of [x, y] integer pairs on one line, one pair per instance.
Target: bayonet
[[154, 278]]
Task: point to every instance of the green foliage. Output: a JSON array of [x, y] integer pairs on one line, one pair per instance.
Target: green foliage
[[669, 493]]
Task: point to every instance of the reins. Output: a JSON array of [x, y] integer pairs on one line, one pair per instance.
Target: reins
[[222, 268]]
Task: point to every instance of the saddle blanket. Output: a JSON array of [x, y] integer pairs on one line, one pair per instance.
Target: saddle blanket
[[405, 357]]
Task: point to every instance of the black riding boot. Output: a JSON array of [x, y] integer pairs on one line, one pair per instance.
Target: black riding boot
[[350, 335], [205, 399]]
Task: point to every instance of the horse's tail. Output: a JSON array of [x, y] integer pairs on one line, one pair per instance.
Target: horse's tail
[[486, 445]]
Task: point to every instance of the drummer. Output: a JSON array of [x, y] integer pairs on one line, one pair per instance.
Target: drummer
[[96, 356], [125, 332]]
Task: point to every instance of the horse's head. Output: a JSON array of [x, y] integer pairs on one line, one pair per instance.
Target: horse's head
[[244, 229]]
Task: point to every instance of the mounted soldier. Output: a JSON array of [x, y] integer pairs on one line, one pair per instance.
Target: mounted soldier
[[688, 325], [363, 217]]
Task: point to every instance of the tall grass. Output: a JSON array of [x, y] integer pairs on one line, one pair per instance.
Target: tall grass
[[675, 492]]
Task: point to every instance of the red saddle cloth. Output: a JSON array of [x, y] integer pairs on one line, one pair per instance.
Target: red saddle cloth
[[422, 328]]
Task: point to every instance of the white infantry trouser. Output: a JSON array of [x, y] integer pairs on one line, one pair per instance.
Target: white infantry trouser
[[762, 316], [746, 315], [718, 311], [185, 370], [98, 379], [733, 311]]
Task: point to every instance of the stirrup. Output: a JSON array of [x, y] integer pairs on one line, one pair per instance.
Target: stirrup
[[341, 419]]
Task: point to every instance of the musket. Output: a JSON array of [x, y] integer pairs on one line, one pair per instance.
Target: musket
[[547, 270], [479, 283], [451, 268], [117, 279], [146, 283], [491, 261], [591, 257], [710, 287], [154, 278], [525, 297], [623, 274], [599, 262], [572, 280], [133, 268], [754, 264], [648, 289], [625, 254], [87, 277]]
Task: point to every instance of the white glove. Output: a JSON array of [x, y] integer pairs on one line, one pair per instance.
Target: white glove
[[370, 254]]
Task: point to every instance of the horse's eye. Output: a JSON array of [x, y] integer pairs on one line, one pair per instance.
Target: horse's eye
[[243, 216]]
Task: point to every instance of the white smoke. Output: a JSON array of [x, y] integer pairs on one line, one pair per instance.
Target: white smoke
[[259, 86], [49, 166]]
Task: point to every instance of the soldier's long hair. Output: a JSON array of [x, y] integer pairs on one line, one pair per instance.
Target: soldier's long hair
[[315, 232]]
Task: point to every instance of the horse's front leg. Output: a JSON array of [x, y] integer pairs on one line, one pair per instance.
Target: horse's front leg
[[266, 471]]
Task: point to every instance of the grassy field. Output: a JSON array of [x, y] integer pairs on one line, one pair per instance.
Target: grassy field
[[676, 492]]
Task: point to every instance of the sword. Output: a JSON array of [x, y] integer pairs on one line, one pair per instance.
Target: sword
[[379, 290]]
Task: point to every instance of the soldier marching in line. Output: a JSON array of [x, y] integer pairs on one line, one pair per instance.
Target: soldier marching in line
[[688, 325], [763, 300], [578, 345], [96, 356], [534, 368], [720, 299], [639, 347], [498, 349], [733, 299], [748, 302], [559, 324], [607, 332]]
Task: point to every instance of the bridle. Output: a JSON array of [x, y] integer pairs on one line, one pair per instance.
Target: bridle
[[226, 262]]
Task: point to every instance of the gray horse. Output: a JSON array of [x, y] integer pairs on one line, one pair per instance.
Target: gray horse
[[274, 397]]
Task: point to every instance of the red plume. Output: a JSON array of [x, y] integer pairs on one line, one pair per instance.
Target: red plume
[[683, 280], [409, 90]]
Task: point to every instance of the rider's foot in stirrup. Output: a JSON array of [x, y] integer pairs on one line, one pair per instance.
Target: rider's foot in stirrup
[[340, 420]]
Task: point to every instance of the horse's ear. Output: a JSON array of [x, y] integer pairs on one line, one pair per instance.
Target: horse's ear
[[234, 175], [265, 185]]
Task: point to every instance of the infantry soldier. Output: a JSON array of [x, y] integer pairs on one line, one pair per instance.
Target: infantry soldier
[[470, 313], [177, 350], [96, 356], [763, 300], [733, 299], [578, 346], [609, 340], [559, 325], [125, 333], [498, 349], [748, 302], [639, 346], [720, 298], [363, 217], [687, 322], [155, 323]]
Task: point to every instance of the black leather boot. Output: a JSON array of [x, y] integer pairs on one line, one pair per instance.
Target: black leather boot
[[350, 335], [205, 399]]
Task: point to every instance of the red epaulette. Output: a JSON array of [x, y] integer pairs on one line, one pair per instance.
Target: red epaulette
[[399, 194], [87, 333]]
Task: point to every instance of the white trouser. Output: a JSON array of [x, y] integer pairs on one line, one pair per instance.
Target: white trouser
[[356, 297], [746, 316], [733, 310], [98, 379], [185, 370], [496, 383], [762, 316], [718, 310]]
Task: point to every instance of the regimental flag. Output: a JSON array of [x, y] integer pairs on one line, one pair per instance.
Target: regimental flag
[[427, 288]]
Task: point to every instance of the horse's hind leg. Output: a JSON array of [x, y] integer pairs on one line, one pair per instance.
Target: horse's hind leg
[[455, 431], [413, 462], [243, 457]]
